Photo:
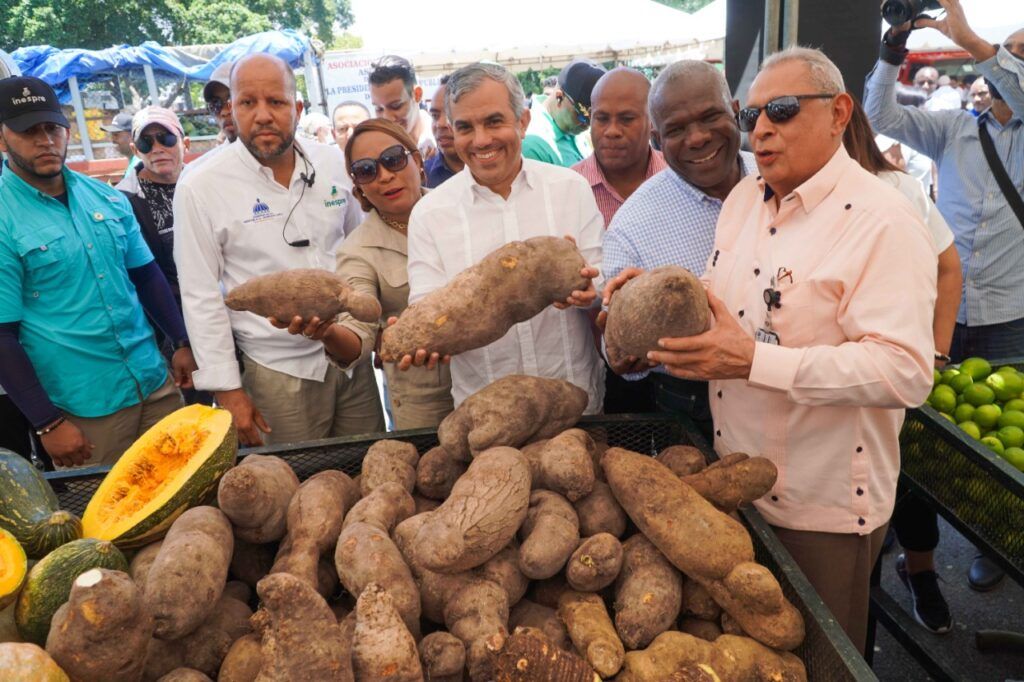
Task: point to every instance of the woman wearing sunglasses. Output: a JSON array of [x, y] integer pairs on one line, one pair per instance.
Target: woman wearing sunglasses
[[387, 171]]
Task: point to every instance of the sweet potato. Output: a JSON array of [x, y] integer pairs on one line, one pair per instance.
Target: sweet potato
[[532, 615], [205, 648], [529, 656], [443, 656], [389, 460], [595, 564], [187, 577], [480, 517], [729, 656], [648, 593], [591, 631], [304, 292], [698, 603], [254, 495], [729, 625], [382, 647], [236, 589], [242, 662], [347, 626], [548, 592], [683, 460], [503, 569], [437, 472], [703, 629], [249, 563], [478, 615], [734, 481], [101, 632], [753, 598], [141, 562], [666, 302], [549, 535], [424, 504], [385, 507], [436, 589], [184, 675], [513, 410], [599, 512], [479, 305], [563, 464], [301, 639]]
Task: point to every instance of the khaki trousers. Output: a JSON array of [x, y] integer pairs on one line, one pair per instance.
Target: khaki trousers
[[113, 434], [302, 409], [838, 565]]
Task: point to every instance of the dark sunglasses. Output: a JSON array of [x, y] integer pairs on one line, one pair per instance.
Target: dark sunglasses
[[145, 142], [582, 112], [779, 110], [215, 105], [393, 159]]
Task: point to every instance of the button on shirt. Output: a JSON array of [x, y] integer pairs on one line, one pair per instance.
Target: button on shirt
[[63, 277], [546, 142], [856, 269], [456, 225], [228, 219], [989, 238], [607, 197]]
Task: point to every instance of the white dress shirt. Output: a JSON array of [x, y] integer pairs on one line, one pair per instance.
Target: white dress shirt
[[228, 219], [457, 224]]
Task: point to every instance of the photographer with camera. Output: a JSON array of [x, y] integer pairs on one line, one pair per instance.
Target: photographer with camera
[[980, 167]]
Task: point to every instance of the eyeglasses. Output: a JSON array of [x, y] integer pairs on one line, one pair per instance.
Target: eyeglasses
[[394, 159], [215, 105], [582, 111], [166, 139], [779, 110]]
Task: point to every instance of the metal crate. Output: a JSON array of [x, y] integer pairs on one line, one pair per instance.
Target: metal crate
[[826, 651]]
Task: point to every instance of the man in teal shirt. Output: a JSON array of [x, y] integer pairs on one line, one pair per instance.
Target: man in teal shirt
[[77, 355], [556, 120]]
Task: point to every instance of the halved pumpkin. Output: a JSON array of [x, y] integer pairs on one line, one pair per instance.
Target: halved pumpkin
[[173, 466], [13, 568]]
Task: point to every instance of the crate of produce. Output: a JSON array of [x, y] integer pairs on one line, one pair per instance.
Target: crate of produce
[[978, 490], [827, 652]]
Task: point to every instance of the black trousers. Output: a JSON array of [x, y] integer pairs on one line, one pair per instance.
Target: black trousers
[[17, 435]]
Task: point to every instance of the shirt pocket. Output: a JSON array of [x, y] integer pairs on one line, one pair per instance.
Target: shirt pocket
[[110, 225], [801, 319], [44, 253]]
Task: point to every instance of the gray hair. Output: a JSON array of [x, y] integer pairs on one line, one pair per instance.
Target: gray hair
[[469, 78], [684, 70], [825, 75]]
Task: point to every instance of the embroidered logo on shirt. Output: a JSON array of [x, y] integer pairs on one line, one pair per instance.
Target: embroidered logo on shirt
[[334, 191], [331, 203], [261, 212]]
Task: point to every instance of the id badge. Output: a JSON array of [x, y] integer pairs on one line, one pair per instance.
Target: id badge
[[766, 336]]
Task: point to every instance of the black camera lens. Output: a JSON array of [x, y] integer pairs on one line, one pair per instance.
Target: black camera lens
[[896, 12]]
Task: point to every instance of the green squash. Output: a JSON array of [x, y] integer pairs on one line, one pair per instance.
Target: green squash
[[13, 568], [49, 583], [29, 508]]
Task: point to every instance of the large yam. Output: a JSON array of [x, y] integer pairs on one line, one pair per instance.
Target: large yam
[[306, 293]]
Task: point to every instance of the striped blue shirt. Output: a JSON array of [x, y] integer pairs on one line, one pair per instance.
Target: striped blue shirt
[[989, 238]]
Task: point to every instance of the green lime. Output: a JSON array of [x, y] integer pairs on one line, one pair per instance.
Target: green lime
[[943, 399], [1011, 418], [1005, 386], [1011, 436], [937, 376], [1006, 369], [978, 368], [960, 382], [948, 417], [948, 374], [993, 444], [1014, 456], [976, 394], [971, 429], [1015, 405], [986, 416], [990, 434], [963, 413], [960, 399]]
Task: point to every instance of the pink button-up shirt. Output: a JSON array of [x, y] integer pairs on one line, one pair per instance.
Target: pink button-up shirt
[[856, 270], [608, 199]]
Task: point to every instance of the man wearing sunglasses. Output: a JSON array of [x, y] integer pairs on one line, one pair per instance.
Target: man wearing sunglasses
[[554, 125], [989, 233]]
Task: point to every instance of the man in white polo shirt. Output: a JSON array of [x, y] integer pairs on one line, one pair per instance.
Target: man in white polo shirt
[[267, 203]]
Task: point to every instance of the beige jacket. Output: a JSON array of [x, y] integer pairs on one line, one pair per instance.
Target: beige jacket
[[374, 259]]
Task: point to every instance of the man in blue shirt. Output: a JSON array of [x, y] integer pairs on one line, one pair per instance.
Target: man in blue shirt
[[443, 166], [77, 355]]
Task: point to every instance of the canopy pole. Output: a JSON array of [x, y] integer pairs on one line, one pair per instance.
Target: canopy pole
[[313, 88], [792, 23], [154, 94], [83, 129]]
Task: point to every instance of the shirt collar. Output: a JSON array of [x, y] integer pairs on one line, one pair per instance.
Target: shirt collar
[[17, 184], [814, 190], [559, 133], [378, 234], [250, 161], [747, 166], [527, 176], [591, 170]]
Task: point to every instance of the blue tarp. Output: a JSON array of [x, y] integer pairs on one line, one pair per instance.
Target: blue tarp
[[57, 66]]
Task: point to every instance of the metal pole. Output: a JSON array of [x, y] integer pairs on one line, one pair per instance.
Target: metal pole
[[772, 15], [83, 129], [313, 90], [154, 94], [790, 28]]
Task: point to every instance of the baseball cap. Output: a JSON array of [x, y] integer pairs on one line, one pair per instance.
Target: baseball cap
[[220, 76], [578, 79], [122, 123], [159, 115], [27, 101]]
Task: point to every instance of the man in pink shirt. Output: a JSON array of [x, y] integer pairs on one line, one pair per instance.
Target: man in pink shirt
[[822, 283]]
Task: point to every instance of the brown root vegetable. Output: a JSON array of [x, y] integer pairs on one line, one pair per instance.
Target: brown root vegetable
[[315, 516], [478, 615], [532, 615], [187, 577], [184, 675], [599, 512], [382, 647], [666, 302], [513, 410], [205, 648], [437, 472], [101, 632], [548, 592], [591, 631], [254, 495], [529, 656], [730, 626], [302, 292], [480, 517], [242, 662], [479, 305], [683, 460], [425, 504], [141, 562], [385, 507], [503, 569], [249, 563], [347, 626], [698, 603], [549, 535], [729, 656], [443, 656], [436, 589], [365, 555], [236, 589], [703, 629], [563, 464], [699, 672], [733, 484], [753, 598], [647, 595], [389, 460], [595, 564], [301, 639]]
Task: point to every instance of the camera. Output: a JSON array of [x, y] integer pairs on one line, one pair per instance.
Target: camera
[[896, 12]]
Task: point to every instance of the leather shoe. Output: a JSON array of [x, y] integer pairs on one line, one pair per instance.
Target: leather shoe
[[984, 574]]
